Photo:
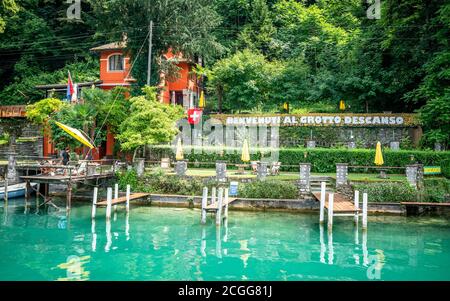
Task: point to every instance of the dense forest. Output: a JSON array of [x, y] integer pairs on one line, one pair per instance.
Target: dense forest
[[257, 54]]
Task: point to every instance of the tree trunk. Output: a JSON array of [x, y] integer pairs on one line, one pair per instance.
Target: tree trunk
[[219, 98]]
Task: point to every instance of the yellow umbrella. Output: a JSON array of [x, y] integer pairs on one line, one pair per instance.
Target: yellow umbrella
[[179, 156], [245, 152], [342, 105], [379, 155], [202, 102], [75, 134]]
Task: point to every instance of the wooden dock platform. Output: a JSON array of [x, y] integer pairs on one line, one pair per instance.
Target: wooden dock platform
[[342, 205], [123, 199], [65, 178], [215, 206]]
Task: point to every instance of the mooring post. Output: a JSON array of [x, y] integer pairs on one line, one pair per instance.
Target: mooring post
[[330, 210], [219, 208], [323, 187], [330, 247], [213, 195], [323, 248], [94, 237], [108, 203], [94, 202], [364, 248], [27, 190], [69, 195], [204, 203], [225, 215], [128, 198], [356, 200], [364, 221], [6, 190], [116, 195]]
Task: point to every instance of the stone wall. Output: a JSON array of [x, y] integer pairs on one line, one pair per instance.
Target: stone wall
[[339, 136], [32, 146]]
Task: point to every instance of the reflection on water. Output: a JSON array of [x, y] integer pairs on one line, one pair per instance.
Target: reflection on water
[[152, 243], [75, 269]]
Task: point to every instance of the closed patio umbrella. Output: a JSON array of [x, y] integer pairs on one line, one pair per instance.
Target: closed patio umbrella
[[202, 102], [378, 155], [379, 160], [179, 155], [245, 152]]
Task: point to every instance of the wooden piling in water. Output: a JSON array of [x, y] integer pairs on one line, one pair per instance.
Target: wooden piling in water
[[356, 200], [204, 204], [27, 191], [94, 202], [219, 208], [364, 219], [330, 210], [108, 200], [323, 187], [213, 195], [127, 204], [6, 190], [69, 195], [225, 215], [116, 195]]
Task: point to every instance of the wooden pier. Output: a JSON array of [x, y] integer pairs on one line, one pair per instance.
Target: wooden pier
[[339, 205], [62, 174], [123, 199], [217, 205]]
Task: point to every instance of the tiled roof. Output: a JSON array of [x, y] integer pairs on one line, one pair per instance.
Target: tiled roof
[[110, 46]]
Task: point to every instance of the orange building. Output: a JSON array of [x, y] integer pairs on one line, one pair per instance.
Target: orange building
[[182, 88], [115, 65]]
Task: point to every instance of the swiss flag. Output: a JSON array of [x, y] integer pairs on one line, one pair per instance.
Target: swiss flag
[[194, 116]]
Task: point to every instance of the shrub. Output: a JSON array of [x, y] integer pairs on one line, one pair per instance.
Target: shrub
[[388, 192], [436, 190], [270, 189], [129, 178], [445, 168]]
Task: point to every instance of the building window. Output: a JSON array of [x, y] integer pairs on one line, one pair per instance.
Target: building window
[[116, 62]]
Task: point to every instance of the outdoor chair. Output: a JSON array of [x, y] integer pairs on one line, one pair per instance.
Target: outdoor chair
[[275, 168], [254, 165]]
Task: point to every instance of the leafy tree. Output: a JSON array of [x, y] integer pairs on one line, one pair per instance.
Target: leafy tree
[[435, 87], [23, 89], [243, 79], [7, 7], [149, 122], [183, 25], [258, 33], [39, 39], [40, 112]]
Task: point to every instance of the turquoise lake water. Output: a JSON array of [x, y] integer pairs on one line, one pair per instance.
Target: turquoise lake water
[[154, 243]]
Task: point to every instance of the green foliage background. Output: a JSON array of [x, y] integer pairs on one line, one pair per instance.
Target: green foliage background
[[257, 53]]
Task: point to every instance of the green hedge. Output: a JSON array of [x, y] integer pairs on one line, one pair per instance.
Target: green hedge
[[388, 192], [435, 190], [270, 189], [323, 160]]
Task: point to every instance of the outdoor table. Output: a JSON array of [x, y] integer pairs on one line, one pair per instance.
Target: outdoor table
[[241, 168]]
